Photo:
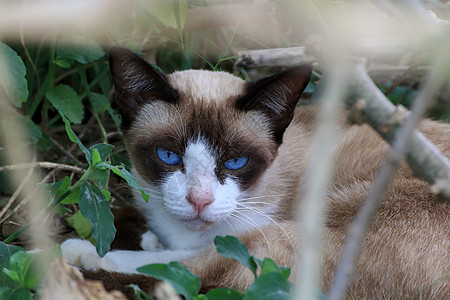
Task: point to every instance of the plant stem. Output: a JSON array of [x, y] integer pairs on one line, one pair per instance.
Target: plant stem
[[46, 85]]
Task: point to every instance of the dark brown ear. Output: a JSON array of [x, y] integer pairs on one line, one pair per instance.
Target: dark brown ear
[[136, 83], [276, 96]]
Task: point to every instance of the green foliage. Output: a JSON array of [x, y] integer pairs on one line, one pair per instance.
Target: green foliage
[[183, 281], [231, 247], [271, 283], [15, 86], [22, 272], [6, 251], [67, 102]]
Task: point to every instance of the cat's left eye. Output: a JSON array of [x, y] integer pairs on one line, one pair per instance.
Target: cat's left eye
[[168, 156], [236, 163]]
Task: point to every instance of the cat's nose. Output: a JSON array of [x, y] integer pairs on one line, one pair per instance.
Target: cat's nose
[[199, 201]]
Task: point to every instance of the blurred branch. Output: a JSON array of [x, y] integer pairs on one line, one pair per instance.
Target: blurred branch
[[369, 105], [295, 55], [43, 164], [403, 137], [17, 192], [273, 57]]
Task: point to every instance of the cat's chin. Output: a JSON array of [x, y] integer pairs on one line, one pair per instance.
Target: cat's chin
[[196, 224]]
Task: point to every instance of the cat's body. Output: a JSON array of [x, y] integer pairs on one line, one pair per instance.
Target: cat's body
[[219, 156]]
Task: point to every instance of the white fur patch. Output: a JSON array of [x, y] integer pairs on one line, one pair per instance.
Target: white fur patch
[[81, 253], [150, 242]]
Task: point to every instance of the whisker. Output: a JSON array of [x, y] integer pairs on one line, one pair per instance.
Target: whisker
[[245, 218], [263, 196], [269, 218]]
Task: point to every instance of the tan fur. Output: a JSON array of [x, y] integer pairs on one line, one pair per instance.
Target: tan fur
[[407, 247]]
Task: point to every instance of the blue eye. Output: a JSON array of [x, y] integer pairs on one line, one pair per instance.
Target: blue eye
[[236, 163], [168, 156]]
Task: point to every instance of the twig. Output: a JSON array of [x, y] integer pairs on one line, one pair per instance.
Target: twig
[[16, 193], [313, 195], [371, 106], [392, 162], [273, 57], [43, 164], [66, 152]]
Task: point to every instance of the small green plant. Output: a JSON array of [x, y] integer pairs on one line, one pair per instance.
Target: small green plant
[[270, 284], [22, 272]]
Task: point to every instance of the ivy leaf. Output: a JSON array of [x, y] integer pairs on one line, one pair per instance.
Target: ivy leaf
[[67, 102], [183, 281], [231, 247], [95, 207], [269, 286], [6, 251], [78, 48], [12, 78]]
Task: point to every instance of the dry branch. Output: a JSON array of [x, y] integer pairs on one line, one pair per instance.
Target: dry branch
[[403, 133], [294, 55], [43, 164], [369, 105]]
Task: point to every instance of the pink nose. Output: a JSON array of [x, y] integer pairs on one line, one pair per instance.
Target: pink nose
[[199, 201]]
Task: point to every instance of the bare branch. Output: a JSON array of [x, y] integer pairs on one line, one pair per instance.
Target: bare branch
[[371, 106], [43, 164], [402, 137]]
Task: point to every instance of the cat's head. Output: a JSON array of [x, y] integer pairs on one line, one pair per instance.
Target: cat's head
[[201, 139]]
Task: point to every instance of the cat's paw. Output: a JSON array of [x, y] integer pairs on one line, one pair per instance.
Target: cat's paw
[[150, 242], [82, 254]]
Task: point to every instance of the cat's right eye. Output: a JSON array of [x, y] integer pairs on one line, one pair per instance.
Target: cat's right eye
[[168, 156]]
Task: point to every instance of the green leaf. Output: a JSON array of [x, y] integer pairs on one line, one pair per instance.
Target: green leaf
[[58, 188], [268, 266], [73, 137], [32, 132], [95, 157], [12, 75], [79, 48], [27, 269], [170, 13], [231, 247], [99, 102], [67, 102], [95, 207], [224, 294], [103, 151], [99, 178], [6, 251], [81, 224], [63, 63], [122, 172], [270, 286], [15, 294], [72, 197], [183, 281], [286, 271]]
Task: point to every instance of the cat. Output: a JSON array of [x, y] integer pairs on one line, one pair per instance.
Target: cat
[[221, 156]]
